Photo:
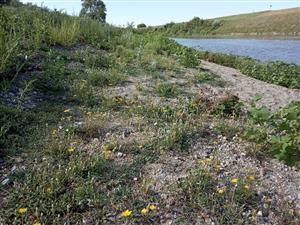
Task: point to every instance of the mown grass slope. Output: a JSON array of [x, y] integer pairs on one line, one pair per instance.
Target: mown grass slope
[[280, 22], [283, 22]]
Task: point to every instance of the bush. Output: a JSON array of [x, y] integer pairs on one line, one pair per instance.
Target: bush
[[188, 58], [284, 138]]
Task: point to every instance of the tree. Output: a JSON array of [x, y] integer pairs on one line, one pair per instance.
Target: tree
[[4, 2], [141, 25], [94, 9], [11, 2]]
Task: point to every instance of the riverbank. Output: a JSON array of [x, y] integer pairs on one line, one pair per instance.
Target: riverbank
[[283, 22], [102, 125], [243, 36]]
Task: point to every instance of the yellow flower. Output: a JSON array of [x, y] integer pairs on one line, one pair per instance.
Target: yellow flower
[[140, 146], [49, 190], [126, 213], [71, 150], [201, 161], [221, 190], [144, 211], [107, 154], [22, 211], [290, 202], [67, 110], [247, 187], [152, 207], [37, 224], [234, 180], [252, 178]]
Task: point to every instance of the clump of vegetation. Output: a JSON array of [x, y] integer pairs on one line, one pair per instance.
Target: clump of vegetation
[[167, 90], [229, 105], [194, 27], [102, 78], [209, 78], [188, 58], [226, 200], [283, 137]]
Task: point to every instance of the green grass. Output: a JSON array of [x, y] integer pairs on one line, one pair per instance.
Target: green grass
[[209, 78], [226, 201], [284, 22], [82, 154]]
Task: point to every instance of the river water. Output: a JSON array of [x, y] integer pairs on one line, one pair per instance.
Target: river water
[[264, 50]]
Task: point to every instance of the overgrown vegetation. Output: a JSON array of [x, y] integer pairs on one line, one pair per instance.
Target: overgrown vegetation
[[226, 200], [81, 151], [283, 137]]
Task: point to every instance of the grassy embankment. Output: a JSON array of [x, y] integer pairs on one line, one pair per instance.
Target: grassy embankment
[[72, 158], [273, 23]]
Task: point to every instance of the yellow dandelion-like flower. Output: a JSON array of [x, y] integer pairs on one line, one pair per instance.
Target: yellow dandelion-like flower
[[144, 211], [107, 154], [140, 146], [252, 178], [290, 202], [234, 180], [22, 211], [126, 213], [201, 161], [152, 207], [247, 187], [67, 110], [71, 150], [49, 190], [37, 224], [221, 190]]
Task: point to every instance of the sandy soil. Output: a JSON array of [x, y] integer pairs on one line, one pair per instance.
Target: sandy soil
[[273, 96]]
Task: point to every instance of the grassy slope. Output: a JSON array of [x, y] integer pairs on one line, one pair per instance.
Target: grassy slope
[[109, 107], [278, 22], [285, 21]]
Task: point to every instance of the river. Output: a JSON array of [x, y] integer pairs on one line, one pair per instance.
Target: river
[[264, 50]]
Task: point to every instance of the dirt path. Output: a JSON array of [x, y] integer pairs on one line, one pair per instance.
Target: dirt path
[[273, 96]]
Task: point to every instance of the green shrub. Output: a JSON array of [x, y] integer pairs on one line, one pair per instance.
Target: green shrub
[[285, 131], [188, 58], [102, 78], [167, 90], [209, 78], [230, 105]]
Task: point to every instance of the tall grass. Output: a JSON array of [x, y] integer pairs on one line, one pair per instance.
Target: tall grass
[[25, 29]]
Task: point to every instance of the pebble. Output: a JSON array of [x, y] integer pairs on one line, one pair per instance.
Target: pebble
[[5, 181], [120, 154], [259, 213]]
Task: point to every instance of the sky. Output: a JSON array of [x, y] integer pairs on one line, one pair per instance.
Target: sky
[[157, 12]]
